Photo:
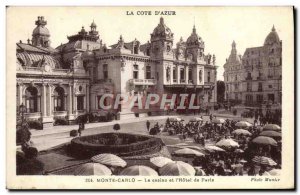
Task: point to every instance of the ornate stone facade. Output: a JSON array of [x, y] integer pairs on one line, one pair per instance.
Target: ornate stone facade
[[255, 78], [69, 80]]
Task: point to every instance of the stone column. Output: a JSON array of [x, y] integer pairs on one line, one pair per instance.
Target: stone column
[[44, 101], [20, 93], [87, 98], [49, 101], [186, 71], [171, 74], [65, 101], [70, 110], [39, 103], [178, 74], [74, 100]]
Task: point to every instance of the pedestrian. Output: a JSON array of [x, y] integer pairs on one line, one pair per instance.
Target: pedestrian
[[79, 129], [210, 117], [148, 125]]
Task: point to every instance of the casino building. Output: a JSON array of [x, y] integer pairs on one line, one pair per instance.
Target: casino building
[[256, 77], [70, 80]]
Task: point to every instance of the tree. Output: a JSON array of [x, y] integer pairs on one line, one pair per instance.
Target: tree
[[220, 91]]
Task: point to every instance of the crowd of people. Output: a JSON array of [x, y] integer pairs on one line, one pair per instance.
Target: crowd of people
[[233, 160]]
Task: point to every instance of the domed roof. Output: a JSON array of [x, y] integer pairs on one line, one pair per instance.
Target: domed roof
[[93, 24], [272, 37], [162, 30], [41, 30], [195, 39]]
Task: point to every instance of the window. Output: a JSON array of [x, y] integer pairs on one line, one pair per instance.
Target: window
[[148, 51], [105, 71], [80, 102], [280, 61], [270, 86], [259, 98], [236, 77], [208, 76], [136, 49], [260, 87], [31, 99], [249, 87], [174, 73], [181, 74], [190, 75], [148, 72], [200, 76], [59, 102], [135, 71], [95, 73]]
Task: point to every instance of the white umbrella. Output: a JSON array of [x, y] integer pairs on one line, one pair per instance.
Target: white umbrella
[[177, 168], [214, 148], [199, 171], [140, 170], [160, 161], [263, 160], [188, 151], [92, 169], [227, 143], [263, 140], [275, 172], [218, 121], [195, 119], [243, 124], [241, 132], [272, 127], [109, 159]]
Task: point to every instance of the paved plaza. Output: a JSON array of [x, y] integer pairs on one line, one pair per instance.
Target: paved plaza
[[57, 135]]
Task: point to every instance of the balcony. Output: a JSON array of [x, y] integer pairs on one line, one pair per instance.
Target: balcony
[[191, 82], [174, 80], [143, 81], [33, 115], [60, 113], [182, 81]]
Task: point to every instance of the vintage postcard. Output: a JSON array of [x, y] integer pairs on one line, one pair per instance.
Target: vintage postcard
[[150, 97]]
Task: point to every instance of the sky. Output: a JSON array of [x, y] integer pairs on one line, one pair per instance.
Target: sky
[[217, 26]]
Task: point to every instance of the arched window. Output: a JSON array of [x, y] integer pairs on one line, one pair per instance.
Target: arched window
[[59, 99], [31, 99], [200, 76]]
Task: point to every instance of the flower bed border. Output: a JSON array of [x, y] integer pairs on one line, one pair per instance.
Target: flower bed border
[[83, 149]]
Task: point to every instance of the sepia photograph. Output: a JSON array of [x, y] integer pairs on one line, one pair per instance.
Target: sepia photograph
[[150, 97]]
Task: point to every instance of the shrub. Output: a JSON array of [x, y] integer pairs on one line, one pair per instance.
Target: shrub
[[234, 112], [26, 166], [116, 127], [30, 152], [73, 133], [149, 113], [23, 135], [36, 124], [61, 121]]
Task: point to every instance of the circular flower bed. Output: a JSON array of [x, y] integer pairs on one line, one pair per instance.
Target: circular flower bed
[[121, 144]]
